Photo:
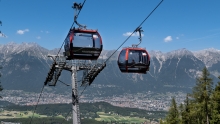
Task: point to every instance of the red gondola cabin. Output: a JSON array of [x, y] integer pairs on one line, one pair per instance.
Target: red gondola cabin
[[83, 44], [134, 60]]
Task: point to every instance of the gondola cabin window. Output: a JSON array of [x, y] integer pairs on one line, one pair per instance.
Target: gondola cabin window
[[137, 56], [122, 57], [86, 40], [67, 46]]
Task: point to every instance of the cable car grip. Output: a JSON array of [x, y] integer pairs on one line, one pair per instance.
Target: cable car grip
[[139, 30], [77, 8]]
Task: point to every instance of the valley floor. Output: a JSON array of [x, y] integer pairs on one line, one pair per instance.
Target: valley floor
[[147, 101], [90, 112]]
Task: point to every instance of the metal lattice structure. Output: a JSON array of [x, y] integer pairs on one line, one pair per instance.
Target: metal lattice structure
[[89, 68]]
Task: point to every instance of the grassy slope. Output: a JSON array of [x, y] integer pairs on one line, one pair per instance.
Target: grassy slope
[[108, 117]]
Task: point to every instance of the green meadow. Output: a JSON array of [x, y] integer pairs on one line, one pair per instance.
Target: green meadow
[[112, 117]]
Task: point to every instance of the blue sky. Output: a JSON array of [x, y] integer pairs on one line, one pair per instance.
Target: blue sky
[[176, 24]]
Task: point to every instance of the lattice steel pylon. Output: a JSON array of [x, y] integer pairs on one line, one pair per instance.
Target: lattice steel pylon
[[60, 63]]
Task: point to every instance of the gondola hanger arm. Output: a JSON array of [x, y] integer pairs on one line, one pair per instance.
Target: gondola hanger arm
[[139, 30], [78, 8]]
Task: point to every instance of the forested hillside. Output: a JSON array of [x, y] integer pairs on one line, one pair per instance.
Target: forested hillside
[[202, 106]]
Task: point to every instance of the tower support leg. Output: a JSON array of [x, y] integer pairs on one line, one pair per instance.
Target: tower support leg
[[75, 102]]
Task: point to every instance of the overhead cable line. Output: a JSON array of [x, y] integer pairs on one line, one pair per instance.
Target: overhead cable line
[[71, 27], [55, 62], [74, 101], [134, 31], [123, 44], [67, 115], [111, 54], [37, 103]]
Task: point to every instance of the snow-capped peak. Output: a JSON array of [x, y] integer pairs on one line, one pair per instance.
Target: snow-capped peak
[[157, 54], [33, 49], [208, 56], [179, 53]]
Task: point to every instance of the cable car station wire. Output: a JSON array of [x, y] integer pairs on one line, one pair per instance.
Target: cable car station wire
[[76, 16], [37, 103], [50, 74], [134, 31], [90, 71]]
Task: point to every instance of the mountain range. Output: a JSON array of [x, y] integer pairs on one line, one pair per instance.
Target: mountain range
[[25, 67]]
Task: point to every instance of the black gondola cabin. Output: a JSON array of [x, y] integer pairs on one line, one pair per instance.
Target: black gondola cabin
[[83, 44], [134, 60]]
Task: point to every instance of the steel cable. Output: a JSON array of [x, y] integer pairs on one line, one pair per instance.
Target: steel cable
[[37, 103], [70, 28], [134, 31], [74, 101]]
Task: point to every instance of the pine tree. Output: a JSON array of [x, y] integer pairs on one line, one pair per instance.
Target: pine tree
[[173, 114], [161, 121], [202, 98], [187, 115], [181, 112], [216, 105]]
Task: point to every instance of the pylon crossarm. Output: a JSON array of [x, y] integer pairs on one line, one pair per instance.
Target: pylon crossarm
[[59, 62], [92, 74]]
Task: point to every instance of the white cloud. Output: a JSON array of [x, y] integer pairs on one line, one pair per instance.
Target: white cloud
[[168, 39], [22, 31], [3, 35], [128, 34], [177, 38], [44, 31], [38, 37], [136, 34]]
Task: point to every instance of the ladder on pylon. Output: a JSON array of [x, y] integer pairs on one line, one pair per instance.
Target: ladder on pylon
[[77, 99], [78, 114]]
